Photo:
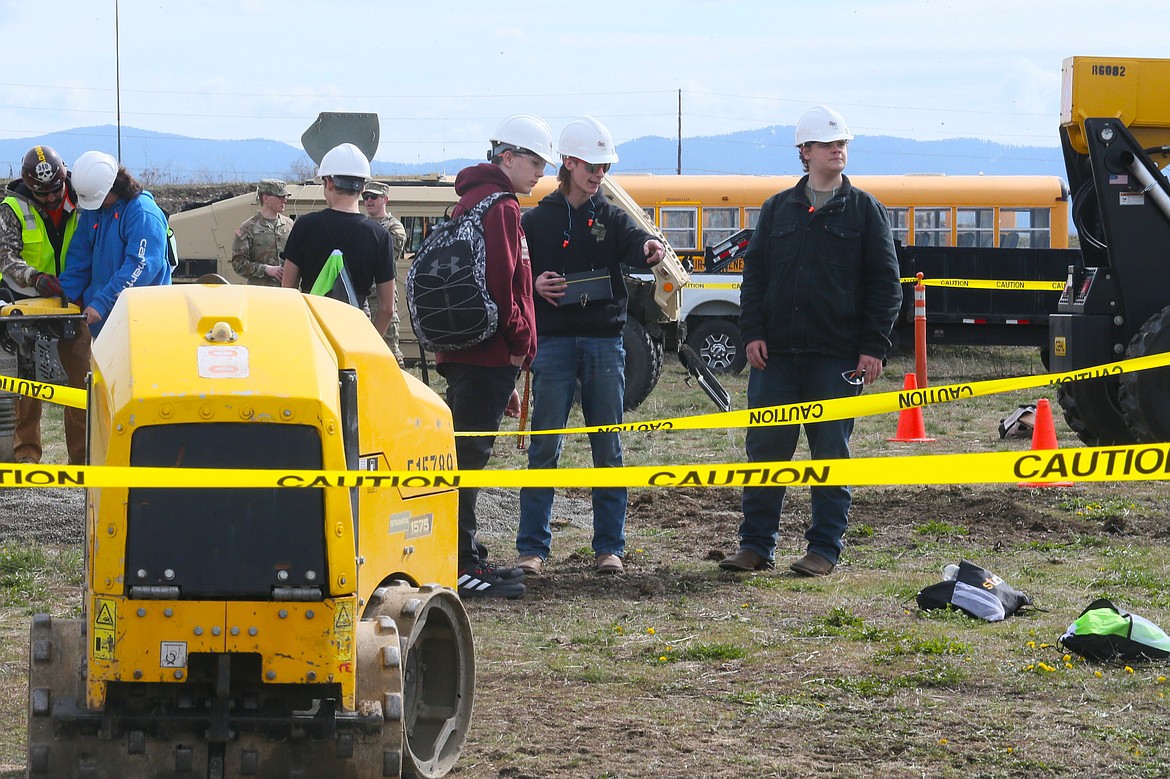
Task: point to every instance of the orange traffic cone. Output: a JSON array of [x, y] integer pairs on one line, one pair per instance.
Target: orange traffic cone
[[911, 425], [1044, 437]]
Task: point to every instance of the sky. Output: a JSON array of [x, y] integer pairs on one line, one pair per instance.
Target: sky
[[441, 75]]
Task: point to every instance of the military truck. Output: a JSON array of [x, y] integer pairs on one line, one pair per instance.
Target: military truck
[[204, 235]]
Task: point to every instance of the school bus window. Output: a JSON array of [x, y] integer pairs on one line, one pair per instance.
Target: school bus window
[[649, 212], [932, 227], [751, 217], [975, 226], [418, 228], [719, 224], [899, 222], [1025, 228], [680, 226]]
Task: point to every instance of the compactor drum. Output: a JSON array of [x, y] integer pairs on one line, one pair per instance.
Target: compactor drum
[[226, 631]]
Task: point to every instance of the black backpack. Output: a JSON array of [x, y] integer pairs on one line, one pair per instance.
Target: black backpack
[[975, 591], [446, 287]]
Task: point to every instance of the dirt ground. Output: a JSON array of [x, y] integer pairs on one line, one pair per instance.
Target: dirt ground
[[606, 727]]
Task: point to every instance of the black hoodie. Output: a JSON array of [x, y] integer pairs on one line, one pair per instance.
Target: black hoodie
[[571, 240]]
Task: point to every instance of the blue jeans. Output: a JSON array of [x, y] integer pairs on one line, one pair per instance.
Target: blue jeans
[[798, 378], [600, 365]]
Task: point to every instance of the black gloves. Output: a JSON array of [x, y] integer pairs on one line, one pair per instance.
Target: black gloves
[[47, 285]]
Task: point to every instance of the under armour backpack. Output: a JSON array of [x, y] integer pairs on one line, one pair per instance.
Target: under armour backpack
[[446, 287]]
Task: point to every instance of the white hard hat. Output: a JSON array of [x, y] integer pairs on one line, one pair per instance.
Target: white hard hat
[[587, 139], [348, 167], [823, 124], [525, 131], [93, 178]]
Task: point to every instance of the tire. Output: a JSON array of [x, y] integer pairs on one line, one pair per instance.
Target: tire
[[720, 345], [1143, 394], [643, 363], [1093, 411]]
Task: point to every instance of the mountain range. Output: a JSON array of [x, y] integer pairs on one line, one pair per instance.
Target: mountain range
[[165, 158]]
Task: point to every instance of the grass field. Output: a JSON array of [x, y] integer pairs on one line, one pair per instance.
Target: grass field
[[679, 669]]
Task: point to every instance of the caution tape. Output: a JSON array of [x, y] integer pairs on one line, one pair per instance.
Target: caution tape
[[712, 284], [998, 284], [791, 414], [53, 393], [1001, 284], [1142, 462], [860, 406]]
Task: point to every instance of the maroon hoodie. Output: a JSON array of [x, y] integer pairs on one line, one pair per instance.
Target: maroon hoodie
[[509, 272]]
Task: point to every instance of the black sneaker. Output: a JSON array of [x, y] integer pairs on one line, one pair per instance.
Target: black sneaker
[[504, 574], [480, 581]]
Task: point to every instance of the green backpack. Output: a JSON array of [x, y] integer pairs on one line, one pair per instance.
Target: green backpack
[[1104, 632], [333, 281]]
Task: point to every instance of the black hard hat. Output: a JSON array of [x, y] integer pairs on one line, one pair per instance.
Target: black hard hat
[[43, 170]]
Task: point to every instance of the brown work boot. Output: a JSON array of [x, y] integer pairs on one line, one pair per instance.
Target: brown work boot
[[608, 563], [812, 564], [745, 560], [531, 565]]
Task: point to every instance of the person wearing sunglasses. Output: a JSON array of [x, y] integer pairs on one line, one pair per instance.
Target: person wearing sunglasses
[[37, 222], [579, 242], [259, 241], [376, 198], [819, 297]]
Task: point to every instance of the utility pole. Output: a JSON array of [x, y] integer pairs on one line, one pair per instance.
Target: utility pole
[[118, 80], [678, 169]]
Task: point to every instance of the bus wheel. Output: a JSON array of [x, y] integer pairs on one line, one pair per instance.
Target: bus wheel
[[643, 363], [719, 343], [1143, 394]]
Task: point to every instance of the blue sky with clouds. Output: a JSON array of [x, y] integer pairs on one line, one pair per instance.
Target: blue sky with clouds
[[441, 75]]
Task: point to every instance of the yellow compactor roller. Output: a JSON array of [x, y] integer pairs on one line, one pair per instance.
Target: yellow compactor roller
[[239, 632]]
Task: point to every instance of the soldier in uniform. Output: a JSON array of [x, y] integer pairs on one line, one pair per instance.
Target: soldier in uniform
[[260, 239], [376, 196]]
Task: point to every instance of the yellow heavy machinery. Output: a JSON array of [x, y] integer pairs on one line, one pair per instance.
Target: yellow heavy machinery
[[1115, 132], [237, 632]]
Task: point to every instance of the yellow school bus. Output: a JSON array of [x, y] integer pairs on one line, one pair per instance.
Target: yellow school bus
[[698, 211]]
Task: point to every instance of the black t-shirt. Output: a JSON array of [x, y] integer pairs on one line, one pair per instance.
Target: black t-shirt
[[366, 246]]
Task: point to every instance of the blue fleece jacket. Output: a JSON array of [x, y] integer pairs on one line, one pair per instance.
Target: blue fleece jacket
[[122, 245]]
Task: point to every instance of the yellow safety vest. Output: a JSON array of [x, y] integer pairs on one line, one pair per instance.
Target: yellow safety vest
[[38, 249]]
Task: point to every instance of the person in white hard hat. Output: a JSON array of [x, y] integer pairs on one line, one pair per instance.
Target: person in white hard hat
[[366, 247], [481, 381], [121, 238], [575, 233], [819, 297]]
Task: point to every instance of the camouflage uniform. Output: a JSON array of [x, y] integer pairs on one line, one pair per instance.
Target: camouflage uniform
[[398, 233], [73, 353], [18, 273], [259, 241]]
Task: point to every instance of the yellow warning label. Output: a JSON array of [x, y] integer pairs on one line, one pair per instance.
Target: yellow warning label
[[344, 618], [105, 615], [1060, 346], [105, 623]]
